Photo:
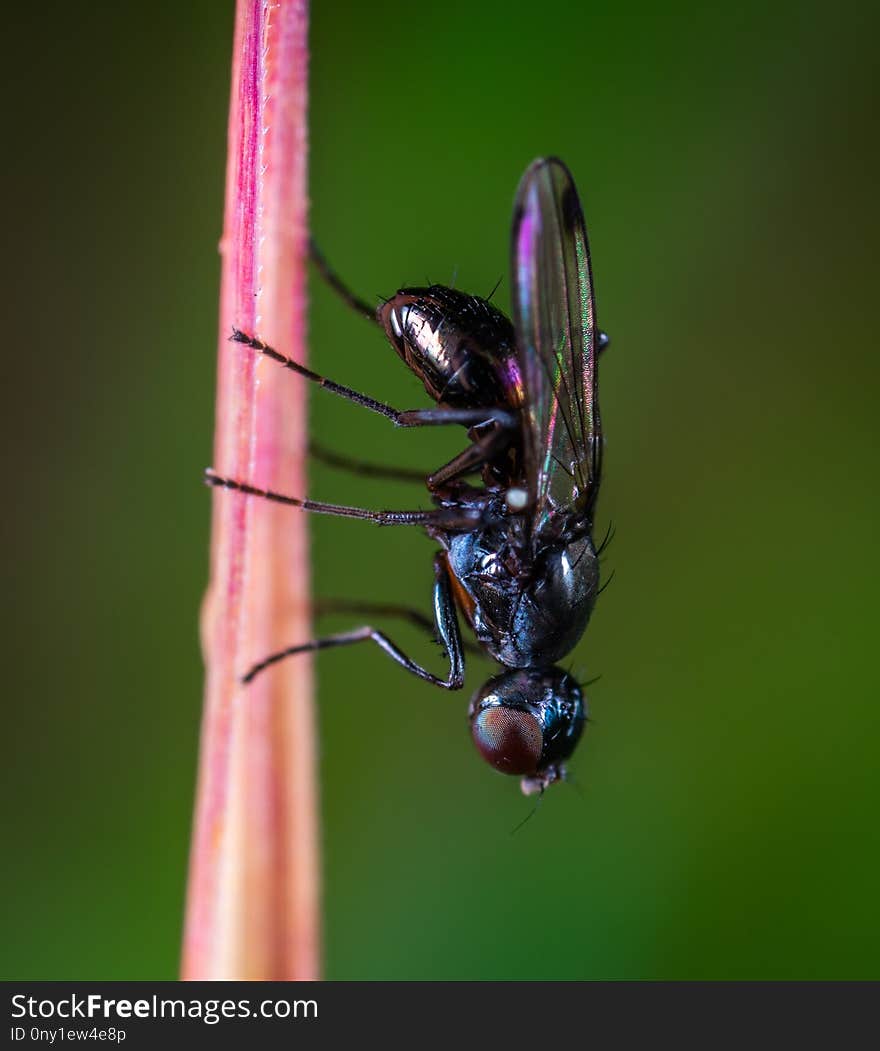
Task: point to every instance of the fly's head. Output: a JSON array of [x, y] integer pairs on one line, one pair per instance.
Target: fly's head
[[528, 722]]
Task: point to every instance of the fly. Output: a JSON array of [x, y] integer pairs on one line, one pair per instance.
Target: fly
[[516, 558]]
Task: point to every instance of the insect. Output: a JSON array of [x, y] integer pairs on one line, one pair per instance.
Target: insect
[[516, 556]]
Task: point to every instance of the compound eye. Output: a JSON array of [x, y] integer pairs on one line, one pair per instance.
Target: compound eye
[[508, 738]]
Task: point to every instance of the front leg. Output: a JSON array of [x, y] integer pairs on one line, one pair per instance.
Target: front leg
[[445, 625]]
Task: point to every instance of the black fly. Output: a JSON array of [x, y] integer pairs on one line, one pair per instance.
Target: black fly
[[516, 557]]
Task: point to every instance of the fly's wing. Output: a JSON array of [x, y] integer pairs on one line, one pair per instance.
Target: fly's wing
[[554, 317]]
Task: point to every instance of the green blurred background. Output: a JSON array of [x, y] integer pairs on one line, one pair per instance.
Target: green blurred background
[[726, 825]]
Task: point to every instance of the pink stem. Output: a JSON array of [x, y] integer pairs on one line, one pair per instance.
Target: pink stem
[[253, 897]]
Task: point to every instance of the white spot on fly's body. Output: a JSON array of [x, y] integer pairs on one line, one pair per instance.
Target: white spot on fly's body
[[516, 499]]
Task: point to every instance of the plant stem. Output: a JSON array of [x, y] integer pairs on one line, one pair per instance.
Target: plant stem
[[253, 897]]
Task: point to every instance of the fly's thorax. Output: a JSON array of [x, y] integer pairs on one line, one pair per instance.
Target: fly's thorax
[[460, 346], [529, 607]]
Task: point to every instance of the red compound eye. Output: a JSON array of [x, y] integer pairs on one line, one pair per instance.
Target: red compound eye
[[509, 739]]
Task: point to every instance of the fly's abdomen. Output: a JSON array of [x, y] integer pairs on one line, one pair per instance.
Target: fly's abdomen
[[460, 346]]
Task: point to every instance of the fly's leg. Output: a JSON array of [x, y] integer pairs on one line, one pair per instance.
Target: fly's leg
[[322, 381], [452, 518], [387, 609], [421, 620], [339, 286], [472, 458], [445, 625], [363, 467], [439, 416], [496, 429]]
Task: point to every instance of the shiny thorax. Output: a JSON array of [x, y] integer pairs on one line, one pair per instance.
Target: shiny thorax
[[527, 610]]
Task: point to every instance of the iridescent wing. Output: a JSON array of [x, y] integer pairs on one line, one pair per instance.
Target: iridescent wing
[[554, 318]]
